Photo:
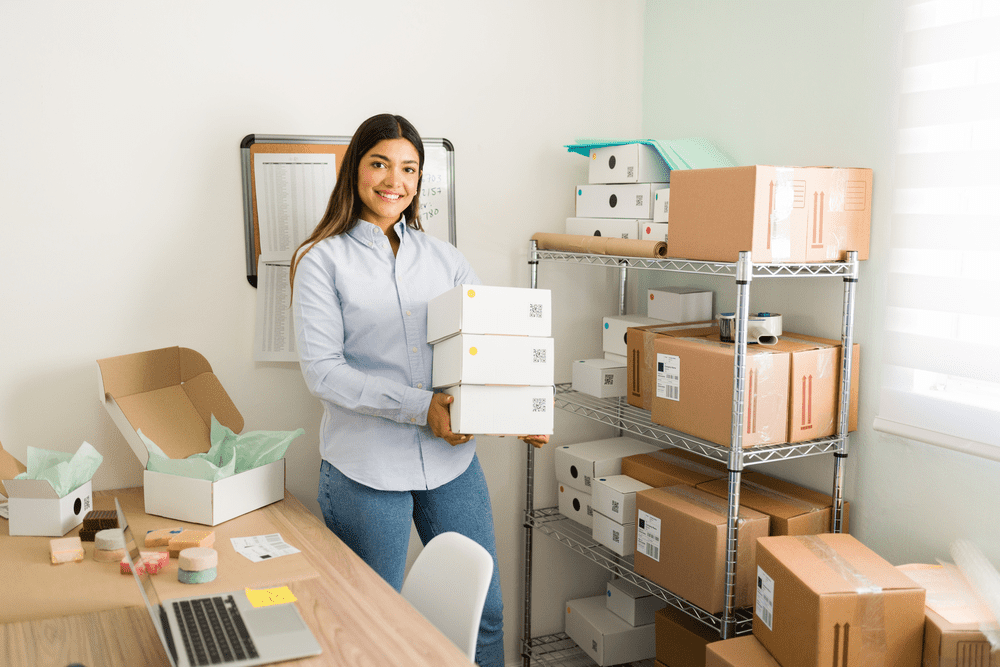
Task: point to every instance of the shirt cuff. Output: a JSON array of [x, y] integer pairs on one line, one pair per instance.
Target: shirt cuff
[[416, 403]]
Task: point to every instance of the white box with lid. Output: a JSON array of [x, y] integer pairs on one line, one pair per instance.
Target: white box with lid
[[577, 465], [627, 163], [679, 304], [623, 200], [485, 359], [486, 309], [607, 227]]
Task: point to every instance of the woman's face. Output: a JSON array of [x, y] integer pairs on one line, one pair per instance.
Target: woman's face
[[387, 181]]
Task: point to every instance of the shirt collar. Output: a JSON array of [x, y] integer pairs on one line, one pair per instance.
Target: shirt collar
[[365, 231]]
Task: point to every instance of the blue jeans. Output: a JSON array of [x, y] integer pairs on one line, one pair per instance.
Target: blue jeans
[[376, 526]]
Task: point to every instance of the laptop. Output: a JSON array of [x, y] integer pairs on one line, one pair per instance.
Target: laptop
[[220, 629]]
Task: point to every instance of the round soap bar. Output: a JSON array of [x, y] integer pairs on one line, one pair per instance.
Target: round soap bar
[[200, 577], [109, 555], [109, 539], [196, 559]]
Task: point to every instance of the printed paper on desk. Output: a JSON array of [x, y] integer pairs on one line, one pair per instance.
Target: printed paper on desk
[[262, 547]]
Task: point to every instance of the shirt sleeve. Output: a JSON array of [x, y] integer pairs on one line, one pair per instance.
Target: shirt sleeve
[[319, 330]]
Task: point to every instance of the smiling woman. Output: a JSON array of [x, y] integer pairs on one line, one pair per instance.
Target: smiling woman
[[388, 180]]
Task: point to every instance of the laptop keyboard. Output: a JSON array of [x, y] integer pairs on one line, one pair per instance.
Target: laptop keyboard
[[213, 631]]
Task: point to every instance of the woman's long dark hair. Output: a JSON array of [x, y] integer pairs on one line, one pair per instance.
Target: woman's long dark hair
[[345, 203]]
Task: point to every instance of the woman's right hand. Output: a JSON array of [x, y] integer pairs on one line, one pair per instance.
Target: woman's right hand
[[439, 419]]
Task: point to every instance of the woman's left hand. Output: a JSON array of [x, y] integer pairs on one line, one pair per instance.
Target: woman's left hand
[[535, 440]]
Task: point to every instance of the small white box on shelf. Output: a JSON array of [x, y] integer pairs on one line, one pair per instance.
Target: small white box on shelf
[[486, 359], [618, 537], [575, 504], [600, 377], [605, 637], [617, 358], [629, 200], [654, 231], [661, 205], [627, 163], [634, 605], [614, 328], [485, 309], [614, 496], [679, 304], [607, 227], [577, 465]]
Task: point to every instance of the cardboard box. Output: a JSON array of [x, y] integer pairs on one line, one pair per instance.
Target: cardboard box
[[636, 606], [680, 639], [694, 390], [661, 206], [484, 309], [829, 599], [779, 214], [743, 651], [797, 404], [628, 201], [794, 509], [627, 163], [485, 359], [654, 231], [618, 537], [642, 359], [170, 395], [667, 467], [954, 616], [614, 496], [607, 639], [600, 377], [34, 507], [679, 304], [575, 504], [681, 545], [615, 329], [577, 465], [501, 410], [615, 228]]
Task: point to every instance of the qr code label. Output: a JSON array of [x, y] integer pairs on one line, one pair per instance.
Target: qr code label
[[631, 172], [638, 200], [538, 404], [616, 507], [534, 310], [616, 537], [609, 379], [538, 355]]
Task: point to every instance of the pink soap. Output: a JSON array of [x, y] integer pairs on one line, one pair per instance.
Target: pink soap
[[149, 561]]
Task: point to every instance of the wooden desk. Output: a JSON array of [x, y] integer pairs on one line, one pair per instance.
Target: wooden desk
[[357, 618]]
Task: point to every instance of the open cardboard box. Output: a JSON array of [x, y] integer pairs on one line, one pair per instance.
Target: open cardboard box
[[170, 395], [34, 506]]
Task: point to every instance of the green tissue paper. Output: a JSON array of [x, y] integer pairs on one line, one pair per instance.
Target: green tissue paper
[[63, 470]]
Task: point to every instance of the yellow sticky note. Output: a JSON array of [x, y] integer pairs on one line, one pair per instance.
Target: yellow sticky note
[[268, 596]]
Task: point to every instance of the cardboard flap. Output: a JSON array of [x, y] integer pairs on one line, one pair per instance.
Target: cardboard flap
[[209, 398], [168, 418], [192, 364], [140, 372], [30, 488], [9, 466], [839, 563]]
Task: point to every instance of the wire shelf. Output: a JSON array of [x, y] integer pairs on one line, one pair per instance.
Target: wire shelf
[[704, 268]]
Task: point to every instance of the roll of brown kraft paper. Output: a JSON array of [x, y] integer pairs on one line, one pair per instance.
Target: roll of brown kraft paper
[[600, 245]]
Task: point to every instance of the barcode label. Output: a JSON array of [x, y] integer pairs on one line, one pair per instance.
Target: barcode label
[[538, 404], [638, 200], [647, 535], [668, 377], [534, 310], [631, 172], [765, 598], [538, 355], [616, 507]]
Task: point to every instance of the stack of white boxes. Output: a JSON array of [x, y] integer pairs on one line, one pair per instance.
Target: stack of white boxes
[[613, 502], [493, 352], [617, 627]]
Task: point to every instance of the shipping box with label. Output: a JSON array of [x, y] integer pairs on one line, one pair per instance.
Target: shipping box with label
[[681, 639], [827, 598], [627, 163], [575, 504], [642, 358], [634, 605], [681, 545], [487, 359], [34, 507], [615, 228], [744, 651], [602, 378], [669, 467], [485, 309], [614, 496], [615, 329], [501, 410], [679, 304], [607, 639], [627, 201], [171, 395], [779, 214], [578, 465]]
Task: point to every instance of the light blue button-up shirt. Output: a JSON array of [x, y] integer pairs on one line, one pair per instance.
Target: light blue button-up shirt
[[361, 327]]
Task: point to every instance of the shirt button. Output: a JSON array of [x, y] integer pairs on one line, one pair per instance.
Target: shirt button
[[414, 349], [413, 420], [408, 312], [420, 385]]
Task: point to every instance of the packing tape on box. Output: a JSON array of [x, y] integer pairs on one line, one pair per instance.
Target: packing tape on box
[[687, 464], [774, 494], [870, 599]]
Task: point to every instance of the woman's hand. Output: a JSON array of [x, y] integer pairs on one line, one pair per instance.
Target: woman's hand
[[439, 419], [535, 440]]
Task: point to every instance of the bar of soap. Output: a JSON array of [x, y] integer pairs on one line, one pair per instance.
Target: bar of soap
[[109, 555], [188, 539], [150, 562], [96, 520], [199, 577], [87, 534], [196, 559], [109, 539], [65, 550], [161, 537]]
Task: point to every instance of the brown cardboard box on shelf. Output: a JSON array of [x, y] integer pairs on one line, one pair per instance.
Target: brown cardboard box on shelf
[[695, 390], [804, 408], [680, 639], [743, 651], [794, 509], [642, 359], [954, 616], [780, 214], [170, 395], [829, 599], [681, 545], [668, 467]]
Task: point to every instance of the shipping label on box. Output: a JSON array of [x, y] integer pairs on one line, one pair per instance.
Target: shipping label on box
[[485, 309], [629, 201], [654, 231], [642, 358], [679, 304], [577, 465], [669, 467], [575, 504], [619, 538], [607, 639], [614, 496], [600, 377], [634, 605], [614, 228], [615, 328], [501, 410], [627, 163], [486, 359], [661, 206]]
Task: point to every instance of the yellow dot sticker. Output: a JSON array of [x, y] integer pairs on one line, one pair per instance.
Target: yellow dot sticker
[[473, 351], [472, 293]]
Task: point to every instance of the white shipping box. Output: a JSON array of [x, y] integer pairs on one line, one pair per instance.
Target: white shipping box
[[35, 509], [602, 378], [605, 637], [679, 304], [634, 605], [661, 205], [607, 227], [501, 410], [633, 200], [619, 358], [484, 309], [620, 538], [614, 496], [486, 359], [577, 465], [654, 231], [575, 504], [627, 163], [615, 328]]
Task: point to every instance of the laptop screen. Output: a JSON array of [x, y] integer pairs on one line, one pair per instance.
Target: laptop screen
[[132, 551]]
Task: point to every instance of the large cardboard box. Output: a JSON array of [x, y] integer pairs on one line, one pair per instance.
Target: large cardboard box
[[577, 465], [680, 304], [627, 163], [631, 200], [642, 358], [170, 395], [634, 605], [34, 507], [669, 467], [501, 410], [694, 390], [602, 378], [829, 599], [485, 309], [607, 639], [680, 639], [681, 545], [486, 359], [615, 228], [809, 413], [615, 331], [779, 214], [743, 651]]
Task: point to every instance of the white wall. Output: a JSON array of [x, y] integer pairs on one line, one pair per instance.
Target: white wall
[[814, 83], [121, 223]]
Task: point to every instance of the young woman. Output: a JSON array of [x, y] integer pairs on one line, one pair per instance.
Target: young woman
[[361, 283]]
